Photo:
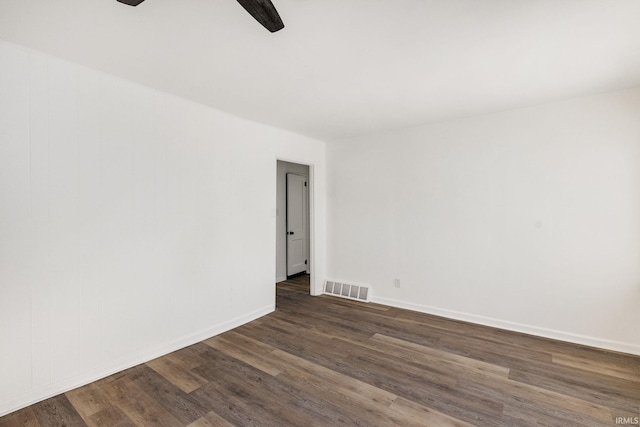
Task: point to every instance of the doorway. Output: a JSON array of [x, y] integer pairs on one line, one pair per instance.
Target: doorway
[[292, 220], [297, 224]]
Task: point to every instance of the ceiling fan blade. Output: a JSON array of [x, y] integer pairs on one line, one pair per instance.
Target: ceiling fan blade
[[131, 2], [264, 12]]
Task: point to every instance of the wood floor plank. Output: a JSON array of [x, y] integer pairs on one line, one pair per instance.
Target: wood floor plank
[[252, 355], [480, 340], [414, 414], [451, 361], [412, 373], [323, 323], [597, 390], [326, 361], [211, 419], [349, 392], [340, 383], [529, 416], [56, 412], [445, 397], [191, 356], [88, 400], [230, 405], [253, 391], [516, 393], [21, 418], [345, 303], [342, 408], [292, 287], [178, 403], [174, 370], [110, 416], [139, 407], [293, 343], [626, 372]]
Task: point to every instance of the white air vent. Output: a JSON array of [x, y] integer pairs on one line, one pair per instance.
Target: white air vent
[[346, 290]]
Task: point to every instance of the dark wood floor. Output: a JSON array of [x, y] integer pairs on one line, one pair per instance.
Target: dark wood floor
[[329, 361]]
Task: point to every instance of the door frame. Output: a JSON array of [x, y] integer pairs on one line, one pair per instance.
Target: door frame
[[313, 289]]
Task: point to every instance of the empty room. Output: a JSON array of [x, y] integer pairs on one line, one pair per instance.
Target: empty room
[[319, 212]]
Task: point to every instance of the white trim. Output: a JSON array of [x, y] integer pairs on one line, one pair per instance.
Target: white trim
[[618, 346], [54, 389], [313, 241]]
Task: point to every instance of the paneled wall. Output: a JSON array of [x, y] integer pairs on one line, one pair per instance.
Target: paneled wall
[[527, 219], [132, 223]]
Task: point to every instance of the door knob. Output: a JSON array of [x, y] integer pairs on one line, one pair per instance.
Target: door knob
[[290, 233]]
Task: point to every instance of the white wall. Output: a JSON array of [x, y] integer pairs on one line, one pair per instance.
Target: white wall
[[281, 223], [527, 219], [132, 223]]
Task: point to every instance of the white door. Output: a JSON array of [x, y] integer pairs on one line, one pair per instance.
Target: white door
[[296, 224]]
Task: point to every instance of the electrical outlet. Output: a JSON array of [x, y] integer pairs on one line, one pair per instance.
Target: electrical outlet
[[396, 282]]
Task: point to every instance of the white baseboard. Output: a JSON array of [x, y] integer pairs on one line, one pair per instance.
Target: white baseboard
[[618, 346], [281, 279], [54, 389]]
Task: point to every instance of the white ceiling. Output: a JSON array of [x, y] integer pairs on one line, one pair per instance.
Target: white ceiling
[[346, 67]]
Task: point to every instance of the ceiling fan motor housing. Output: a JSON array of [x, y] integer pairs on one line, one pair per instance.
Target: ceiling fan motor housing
[[131, 2]]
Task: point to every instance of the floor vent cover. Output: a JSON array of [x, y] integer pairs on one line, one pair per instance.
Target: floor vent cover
[[347, 290]]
